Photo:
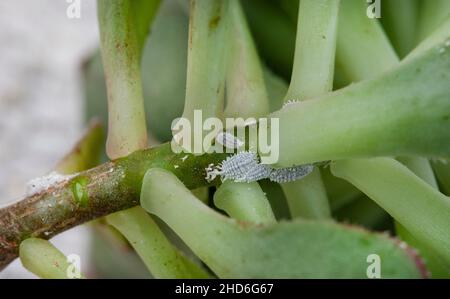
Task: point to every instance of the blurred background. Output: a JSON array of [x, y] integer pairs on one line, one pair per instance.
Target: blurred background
[[42, 51]]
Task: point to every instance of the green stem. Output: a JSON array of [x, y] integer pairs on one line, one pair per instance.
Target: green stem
[[420, 166], [162, 259], [315, 47], [312, 75], [245, 202], [245, 86], [206, 65], [123, 27], [370, 118], [38, 255], [307, 198], [43, 259], [244, 250], [91, 194]]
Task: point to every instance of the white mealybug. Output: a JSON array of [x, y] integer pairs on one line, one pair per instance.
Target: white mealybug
[[245, 167], [242, 167], [289, 174], [229, 140]]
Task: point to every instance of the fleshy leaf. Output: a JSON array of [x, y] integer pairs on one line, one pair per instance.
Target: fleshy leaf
[[288, 249], [159, 255], [43, 259]]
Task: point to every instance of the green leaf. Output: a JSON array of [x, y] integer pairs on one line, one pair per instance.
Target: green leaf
[[244, 201], [312, 75], [401, 113], [43, 259], [246, 94], [162, 259], [206, 65], [307, 249]]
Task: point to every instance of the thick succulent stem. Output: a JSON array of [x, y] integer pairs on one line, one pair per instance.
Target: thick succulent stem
[[123, 27], [312, 76], [97, 192]]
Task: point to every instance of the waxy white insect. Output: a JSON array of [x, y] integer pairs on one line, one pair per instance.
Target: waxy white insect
[[229, 140], [245, 167], [289, 174]]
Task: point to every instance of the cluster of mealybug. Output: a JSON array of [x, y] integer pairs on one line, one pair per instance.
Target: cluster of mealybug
[[245, 167]]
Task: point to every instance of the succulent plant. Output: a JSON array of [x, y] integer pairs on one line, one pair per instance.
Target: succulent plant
[[364, 142]]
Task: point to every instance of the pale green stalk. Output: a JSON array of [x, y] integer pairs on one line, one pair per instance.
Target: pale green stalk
[[234, 249], [162, 259], [123, 28], [247, 99], [124, 25], [246, 94], [206, 65], [315, 47], [372, 118], [401, 18], [379, 54], [312, 75], [245, 202], [45, 260]]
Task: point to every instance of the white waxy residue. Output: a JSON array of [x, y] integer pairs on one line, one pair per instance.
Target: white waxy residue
[[40, 184]]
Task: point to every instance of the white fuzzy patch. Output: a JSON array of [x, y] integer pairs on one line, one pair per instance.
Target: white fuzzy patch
[[229, 140], [41, 184]]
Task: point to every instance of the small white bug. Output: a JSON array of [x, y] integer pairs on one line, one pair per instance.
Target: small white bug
[[289, 174], [242, 167], [229, 140], [245, 167]]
